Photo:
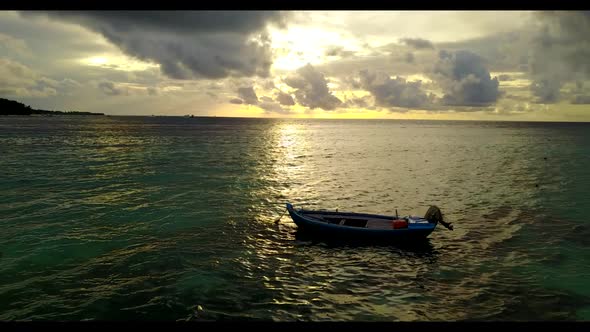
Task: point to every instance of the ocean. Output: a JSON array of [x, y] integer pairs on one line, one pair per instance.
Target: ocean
[[171, 218]]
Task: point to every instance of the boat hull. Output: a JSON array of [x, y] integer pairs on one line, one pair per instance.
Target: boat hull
[[414, 232]]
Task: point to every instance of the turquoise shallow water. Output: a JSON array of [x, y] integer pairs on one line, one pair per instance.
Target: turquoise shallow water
[[172, 219]]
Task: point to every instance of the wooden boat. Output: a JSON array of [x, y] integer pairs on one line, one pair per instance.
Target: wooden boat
[[364, 226]]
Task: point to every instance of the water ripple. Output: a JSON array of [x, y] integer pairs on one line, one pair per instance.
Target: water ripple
[[173, 219]]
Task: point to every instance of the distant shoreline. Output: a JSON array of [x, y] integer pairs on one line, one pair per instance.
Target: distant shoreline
[[14, 108]]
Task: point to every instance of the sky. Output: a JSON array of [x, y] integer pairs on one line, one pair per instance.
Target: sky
[[451, 65]]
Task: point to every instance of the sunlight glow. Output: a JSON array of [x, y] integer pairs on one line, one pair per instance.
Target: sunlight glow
[[297, 46], [97, 60], [117, 62]]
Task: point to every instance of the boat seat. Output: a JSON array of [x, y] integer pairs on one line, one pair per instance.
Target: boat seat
[[379, 224]]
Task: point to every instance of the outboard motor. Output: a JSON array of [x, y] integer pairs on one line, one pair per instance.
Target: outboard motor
[[435, 216]]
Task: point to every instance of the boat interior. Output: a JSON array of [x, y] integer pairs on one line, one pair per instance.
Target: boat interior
[[346, 220]]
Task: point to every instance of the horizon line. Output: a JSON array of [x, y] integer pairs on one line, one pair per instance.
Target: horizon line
[[372, 119]]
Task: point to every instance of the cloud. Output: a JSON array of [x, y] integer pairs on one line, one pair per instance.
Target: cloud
[[581, 99], [312, 89], [338, 51], [551, 53], [510, 108], [566, 33], [48, 40], [436, 25], [70, 84], [151, 91], [271, 106], [547, 90], [268, 84], [506, 51], [560, 52], [13, 72], [248, 95], [20, 80], [417, 43], [285, 99], [109, 88], [551, 48], [360, 102], [465, 80], [515, 97], [187, 44], [236, 101], [352, 82], [45, 87], [392, 58], [395, 92], [15, 45]]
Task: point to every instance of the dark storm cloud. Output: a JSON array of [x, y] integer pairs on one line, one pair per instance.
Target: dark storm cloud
[[465, 79], [187, 44], [568, 33], [109, 88], [506, 51], [152, 91], [418, 43], [268, 84], [395, 92], [60, 51], [236, 101], [248, 95], [312, 89], [285, 99], [554, 49], [352, 82], [581, 99], [271, 106], [394, 58], [547, 90], [361, 102], [560, 52]]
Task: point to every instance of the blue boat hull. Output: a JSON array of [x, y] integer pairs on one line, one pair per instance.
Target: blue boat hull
[[414, 232]]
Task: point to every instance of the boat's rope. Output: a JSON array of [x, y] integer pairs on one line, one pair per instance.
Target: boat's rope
[[279, 218]]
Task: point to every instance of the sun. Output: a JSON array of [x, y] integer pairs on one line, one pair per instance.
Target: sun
[[97, 60]]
